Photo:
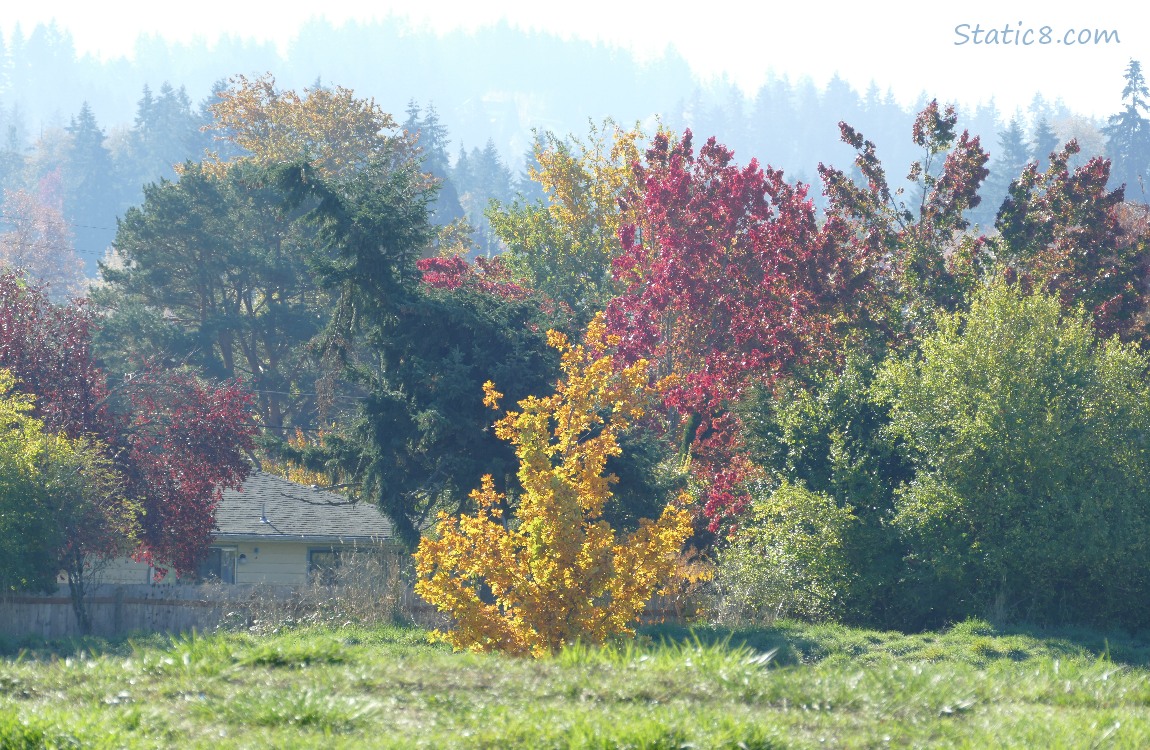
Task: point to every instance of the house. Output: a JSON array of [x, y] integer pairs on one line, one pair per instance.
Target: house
[[276, 531]]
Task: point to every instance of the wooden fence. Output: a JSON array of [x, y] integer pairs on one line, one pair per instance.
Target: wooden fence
[[119, 609]]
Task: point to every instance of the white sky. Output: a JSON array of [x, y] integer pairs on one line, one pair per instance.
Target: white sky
[[906, 46]]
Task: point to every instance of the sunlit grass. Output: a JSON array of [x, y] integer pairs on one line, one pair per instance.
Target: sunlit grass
[[788, 686]]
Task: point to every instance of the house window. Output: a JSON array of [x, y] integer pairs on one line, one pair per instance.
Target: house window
[[323, 564], [218, 565]]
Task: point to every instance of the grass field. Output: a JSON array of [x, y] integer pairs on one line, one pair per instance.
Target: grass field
[[787, 686]]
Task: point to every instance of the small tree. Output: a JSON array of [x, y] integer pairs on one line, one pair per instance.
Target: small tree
[[28, 532], [98, 521], [62, 506], [532, 581]]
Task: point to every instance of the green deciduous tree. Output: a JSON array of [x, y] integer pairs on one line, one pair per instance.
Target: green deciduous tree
[[29, 534], [789, 559], [563, 244], [1030, 441]]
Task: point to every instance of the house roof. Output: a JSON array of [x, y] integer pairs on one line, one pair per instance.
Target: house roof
[[270, 508]]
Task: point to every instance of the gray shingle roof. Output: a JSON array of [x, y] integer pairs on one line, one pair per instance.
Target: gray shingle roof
[[270, 507]]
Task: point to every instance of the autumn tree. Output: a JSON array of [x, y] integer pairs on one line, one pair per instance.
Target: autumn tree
[[563, 245], [646, 468], [1060, 230], [175, 440], [554, 571], [917, 257], [38, 243], [727, 280], [188, 440], [329, 127]]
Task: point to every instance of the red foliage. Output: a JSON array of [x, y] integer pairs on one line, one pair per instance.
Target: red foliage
[[916, 261], [48, 349], [729, 282], [1063, 231], [187, 443], [490, 276], [176, 440]]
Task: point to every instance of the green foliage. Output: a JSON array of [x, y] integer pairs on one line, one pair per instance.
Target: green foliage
[[788, 560], [61, 503], [1028, 437], [29, 534], [563, 244], [828, 434], [422, 435], [215, 272]]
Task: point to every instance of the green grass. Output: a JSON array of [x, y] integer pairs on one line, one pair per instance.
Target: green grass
[[788, 686]]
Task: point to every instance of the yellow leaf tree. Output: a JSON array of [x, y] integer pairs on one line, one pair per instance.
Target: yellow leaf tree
[[554, 571], [329, 127], [564, 246]]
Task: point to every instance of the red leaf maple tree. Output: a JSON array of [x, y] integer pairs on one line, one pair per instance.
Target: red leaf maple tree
[[729, 282], [176, 440]]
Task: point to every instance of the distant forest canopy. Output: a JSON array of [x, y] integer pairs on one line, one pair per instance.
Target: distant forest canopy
[[79, 137]]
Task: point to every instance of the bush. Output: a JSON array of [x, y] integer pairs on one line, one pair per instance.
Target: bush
[[788, 560], [1029, 441], [829, 435]]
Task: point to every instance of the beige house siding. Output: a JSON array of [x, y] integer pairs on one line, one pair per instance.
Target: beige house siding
[[268, 528], [125, 570], [262, 562], [277, 562]]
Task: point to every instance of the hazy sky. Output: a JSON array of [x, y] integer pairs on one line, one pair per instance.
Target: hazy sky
[[911, 47]]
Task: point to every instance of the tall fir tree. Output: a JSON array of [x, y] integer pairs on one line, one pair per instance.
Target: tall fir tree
[[1044, 143], [431, 138], [1007, 163], [1128, 136], [89, 191]]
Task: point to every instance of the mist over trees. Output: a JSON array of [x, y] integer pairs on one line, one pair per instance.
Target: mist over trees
[[359, 264], [479, 100]]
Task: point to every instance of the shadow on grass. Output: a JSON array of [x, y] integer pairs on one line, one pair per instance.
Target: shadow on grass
[[973, 641]]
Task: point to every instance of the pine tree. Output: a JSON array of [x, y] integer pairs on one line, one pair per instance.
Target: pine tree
[[1007, 164], [89, 193], [1128, 135], [1045, 142], [431, 138]]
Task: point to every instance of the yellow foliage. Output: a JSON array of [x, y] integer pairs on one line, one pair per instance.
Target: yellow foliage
[[556, 571], [292, 471], [329, 127], [585, 180]]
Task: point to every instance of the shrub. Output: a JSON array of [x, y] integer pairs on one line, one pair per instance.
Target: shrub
[[788, 560], [1029, 439], [555, 571]]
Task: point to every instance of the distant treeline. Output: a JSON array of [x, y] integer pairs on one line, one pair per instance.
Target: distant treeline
[[87, 134]]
